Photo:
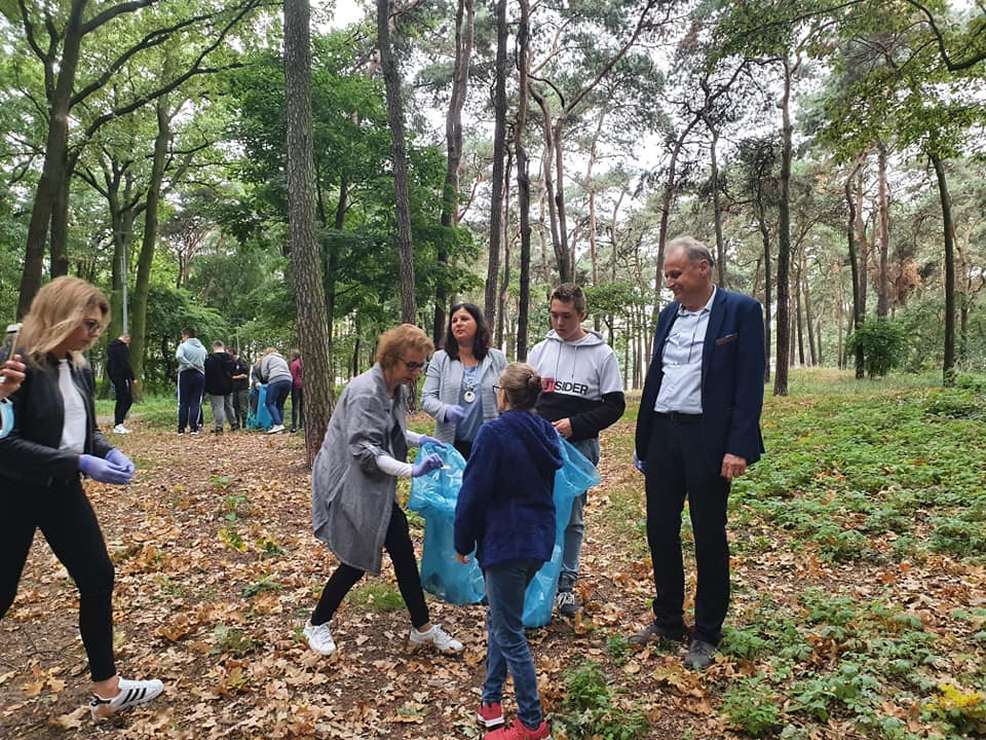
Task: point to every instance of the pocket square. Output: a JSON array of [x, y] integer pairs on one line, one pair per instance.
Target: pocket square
[[726, 339]]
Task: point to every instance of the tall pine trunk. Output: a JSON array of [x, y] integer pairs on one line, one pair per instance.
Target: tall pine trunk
[[883, 234], [306, 265], [948, 362], [499, 178], [852, 201], [784, 242], [523, 177]]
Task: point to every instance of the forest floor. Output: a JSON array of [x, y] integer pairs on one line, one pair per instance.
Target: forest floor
[[859, 598]]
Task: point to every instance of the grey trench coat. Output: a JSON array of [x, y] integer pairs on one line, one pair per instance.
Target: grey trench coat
[[352, 498]]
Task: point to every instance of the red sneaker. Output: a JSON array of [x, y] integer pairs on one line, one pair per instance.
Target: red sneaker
[[519, 731], [490, 715]]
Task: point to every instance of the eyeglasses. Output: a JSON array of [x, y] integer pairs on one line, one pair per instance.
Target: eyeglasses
[[93, 326], [497, 388], [412, 365]]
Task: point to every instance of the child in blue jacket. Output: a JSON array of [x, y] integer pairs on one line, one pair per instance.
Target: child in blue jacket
[[506, 512]]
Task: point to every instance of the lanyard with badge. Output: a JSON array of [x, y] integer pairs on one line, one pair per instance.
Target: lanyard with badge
[[469, 394]]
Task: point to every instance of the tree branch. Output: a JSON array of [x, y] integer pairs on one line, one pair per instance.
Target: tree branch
[[952, 66], [110, 13]]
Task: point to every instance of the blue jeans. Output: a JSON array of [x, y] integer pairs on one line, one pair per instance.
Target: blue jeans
[[277, 392], [506, 645], [576, 524]]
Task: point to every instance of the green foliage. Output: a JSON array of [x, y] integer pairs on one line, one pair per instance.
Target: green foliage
[[751, 705], [377, 596], [589, 710], [883, 342], [233, 641]]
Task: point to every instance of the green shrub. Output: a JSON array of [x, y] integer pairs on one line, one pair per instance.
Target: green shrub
[[750, 705], [884, 343], [589, 711]]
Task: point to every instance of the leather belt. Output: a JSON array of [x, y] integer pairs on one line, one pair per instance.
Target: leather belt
[[677, 417]]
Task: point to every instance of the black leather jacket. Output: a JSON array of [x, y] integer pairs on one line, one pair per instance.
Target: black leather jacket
[[30, 454]]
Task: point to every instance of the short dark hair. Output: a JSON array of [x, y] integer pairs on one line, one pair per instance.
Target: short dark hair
[[480, 342], [186, 332], [569, 293]]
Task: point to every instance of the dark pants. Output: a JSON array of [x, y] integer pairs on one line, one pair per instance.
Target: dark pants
[[124, 400], [191, 383], [398, 545], [63, 514], [463, 447], [679, 465], [297, 408], [241, 407], [277, 392], [506, 644]]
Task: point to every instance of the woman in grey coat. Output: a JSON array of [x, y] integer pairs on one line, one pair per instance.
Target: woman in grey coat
[[458, 390], [354, 485]]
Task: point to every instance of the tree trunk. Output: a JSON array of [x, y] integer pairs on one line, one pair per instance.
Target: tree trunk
[[784, 242], [499, 178], [883, 234], [306, 265], [138, 334], [548, 176], [523, 178], [948, 363], [767, 284], [858, 276], [809, 318], [798, 322], [505, 283], [453, 139], [395, 115], [717, 210]]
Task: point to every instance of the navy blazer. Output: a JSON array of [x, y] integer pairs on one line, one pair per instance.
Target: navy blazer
[[732, 378]]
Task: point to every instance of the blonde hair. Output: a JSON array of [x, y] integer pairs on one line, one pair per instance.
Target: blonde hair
[[521, 384], [393, 342], [56, 311]]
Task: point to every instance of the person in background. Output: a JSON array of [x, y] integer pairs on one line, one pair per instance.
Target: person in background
[[506, 513], [354, 488], [53, 444], [191, 381], [583, 394], [255, 383], [219, 368], [121, 375], [458, 389], [241, 390], [297, 395], [11, 377], [274, 371]]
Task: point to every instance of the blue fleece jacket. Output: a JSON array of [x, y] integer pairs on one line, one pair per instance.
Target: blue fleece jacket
[[506, 508]]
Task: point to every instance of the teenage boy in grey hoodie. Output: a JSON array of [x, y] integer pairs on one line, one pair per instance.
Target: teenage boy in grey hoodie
[[582, 394], [191, 381]]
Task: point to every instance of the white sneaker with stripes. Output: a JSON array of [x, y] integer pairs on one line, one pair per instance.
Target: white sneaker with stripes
[[131, 694]]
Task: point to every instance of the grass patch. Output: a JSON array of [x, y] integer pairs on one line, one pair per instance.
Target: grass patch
[[593, 709], [377, 596]]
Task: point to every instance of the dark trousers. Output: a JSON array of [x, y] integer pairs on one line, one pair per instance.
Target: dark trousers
[[124, 400], [191, 383], [277, 392], [679, 465], [297, 408], [398, 545], [241, 407], [463, 447], [63, 514]]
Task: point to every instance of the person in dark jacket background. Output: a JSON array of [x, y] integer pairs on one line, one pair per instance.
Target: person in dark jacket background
[[121, 375], [506, 512], [241, 390], [219, 369], [53, 443]]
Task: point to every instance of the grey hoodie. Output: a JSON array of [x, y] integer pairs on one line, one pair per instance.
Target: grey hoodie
[[191, 355], [580, 381]]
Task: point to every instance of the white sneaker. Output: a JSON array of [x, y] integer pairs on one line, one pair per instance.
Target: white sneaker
[[438, 638], [120, 429], [275, 429], [320, 638], [131, 694]]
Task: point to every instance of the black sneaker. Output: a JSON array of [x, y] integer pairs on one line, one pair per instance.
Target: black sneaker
[[654, 632], [700, 654], [566, 604]]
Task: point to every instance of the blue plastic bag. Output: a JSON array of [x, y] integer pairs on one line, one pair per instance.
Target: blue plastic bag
[[434, 496], [576, 475], [261, 418]]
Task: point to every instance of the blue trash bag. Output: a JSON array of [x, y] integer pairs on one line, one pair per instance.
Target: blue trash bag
[[576, 475], [260, 419], [434, 496]]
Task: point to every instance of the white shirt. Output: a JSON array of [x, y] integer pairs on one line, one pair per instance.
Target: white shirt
[[681, 361], [74, 424]]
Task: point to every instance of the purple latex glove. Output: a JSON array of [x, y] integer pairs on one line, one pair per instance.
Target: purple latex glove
[[103, 470], [454, 414], [121, 461], [640, 465], [422, 467], [425, 440]]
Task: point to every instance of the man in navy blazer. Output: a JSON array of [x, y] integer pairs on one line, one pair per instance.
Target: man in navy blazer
[[698, 429]]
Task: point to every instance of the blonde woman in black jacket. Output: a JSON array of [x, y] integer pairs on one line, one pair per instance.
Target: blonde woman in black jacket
[[54, 443]]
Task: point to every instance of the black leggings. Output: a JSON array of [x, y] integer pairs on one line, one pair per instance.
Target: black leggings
[[401, 550], [124, 400], [63, 514]]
